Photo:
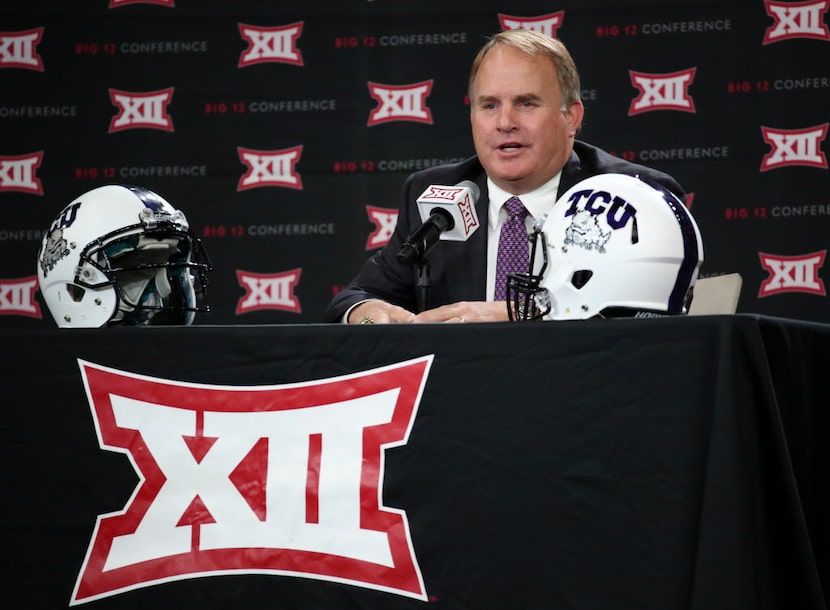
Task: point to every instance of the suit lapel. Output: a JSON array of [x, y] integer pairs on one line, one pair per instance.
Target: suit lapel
[[572, 173]]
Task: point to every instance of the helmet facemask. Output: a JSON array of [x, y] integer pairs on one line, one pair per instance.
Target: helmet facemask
[[159, 276], [526, 298]]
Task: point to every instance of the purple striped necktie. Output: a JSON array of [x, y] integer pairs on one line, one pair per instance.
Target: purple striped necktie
[[513, 246]]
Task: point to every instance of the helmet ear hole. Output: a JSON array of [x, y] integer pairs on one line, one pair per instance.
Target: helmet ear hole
[[76, 293], [581, 277]]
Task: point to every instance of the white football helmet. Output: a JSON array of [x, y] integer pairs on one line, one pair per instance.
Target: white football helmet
[[122, 255], [612, 246]]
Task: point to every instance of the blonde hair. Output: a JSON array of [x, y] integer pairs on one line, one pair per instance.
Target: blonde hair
[[534, 43]]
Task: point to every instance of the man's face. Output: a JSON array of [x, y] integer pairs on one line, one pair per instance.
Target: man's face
[[521, 134]]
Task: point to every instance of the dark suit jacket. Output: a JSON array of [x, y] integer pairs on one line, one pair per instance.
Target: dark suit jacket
[[458, 269]]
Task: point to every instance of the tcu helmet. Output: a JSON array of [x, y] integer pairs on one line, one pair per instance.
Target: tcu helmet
[[612, 246], [122, 255]]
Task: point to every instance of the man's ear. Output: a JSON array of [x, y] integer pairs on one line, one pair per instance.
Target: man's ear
[[574, 114]]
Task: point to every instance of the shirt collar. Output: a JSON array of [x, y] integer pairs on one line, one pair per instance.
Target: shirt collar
[[538, 202]]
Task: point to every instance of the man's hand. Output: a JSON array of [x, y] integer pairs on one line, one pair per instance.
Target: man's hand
[[376, 311], [466, 311]]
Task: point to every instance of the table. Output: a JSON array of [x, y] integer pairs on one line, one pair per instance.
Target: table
[[662, 463]]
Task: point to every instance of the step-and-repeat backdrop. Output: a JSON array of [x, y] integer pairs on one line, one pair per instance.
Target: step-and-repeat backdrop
[[285, 130]]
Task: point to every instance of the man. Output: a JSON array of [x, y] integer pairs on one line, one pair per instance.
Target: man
[[525, 111]]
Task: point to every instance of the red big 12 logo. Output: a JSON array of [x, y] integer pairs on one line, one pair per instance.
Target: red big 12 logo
[[794, 147], [797, 20], [400, 103], [792, 273], [662, 91], [19, 173], [19, 50], [281, 480]]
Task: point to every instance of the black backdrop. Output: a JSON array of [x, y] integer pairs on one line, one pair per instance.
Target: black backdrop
[[283, 129]]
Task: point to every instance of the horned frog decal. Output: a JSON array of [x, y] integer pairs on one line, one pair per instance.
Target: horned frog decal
[[586, 232]]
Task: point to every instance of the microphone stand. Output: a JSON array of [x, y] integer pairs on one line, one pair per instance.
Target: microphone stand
[[423, 283], [418, 246]]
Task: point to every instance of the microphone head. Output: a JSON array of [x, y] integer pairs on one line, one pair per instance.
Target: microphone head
[[458, 202]]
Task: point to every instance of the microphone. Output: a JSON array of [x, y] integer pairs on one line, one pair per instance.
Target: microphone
[[447, 213]]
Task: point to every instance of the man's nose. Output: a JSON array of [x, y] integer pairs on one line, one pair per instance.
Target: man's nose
[[506, 120]]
